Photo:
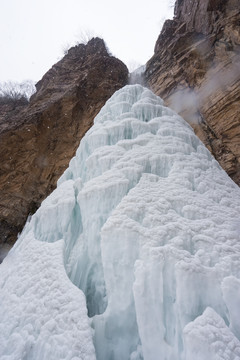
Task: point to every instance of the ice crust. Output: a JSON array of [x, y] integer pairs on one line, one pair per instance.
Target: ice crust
[[135, 255]]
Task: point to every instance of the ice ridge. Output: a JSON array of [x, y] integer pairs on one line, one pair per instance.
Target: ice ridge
[[135, 255]]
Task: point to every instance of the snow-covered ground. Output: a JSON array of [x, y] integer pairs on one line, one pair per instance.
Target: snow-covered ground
[[135, 255]]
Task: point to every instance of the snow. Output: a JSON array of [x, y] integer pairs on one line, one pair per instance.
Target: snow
[[209, 338], [135, 255], [43, 315]]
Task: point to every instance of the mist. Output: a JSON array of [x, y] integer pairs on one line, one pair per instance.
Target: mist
[[188, 101]]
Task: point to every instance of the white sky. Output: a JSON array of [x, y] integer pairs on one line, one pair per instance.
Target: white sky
[[33, 33]]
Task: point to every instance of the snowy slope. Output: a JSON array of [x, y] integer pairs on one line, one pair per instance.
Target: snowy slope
[[135, 255]]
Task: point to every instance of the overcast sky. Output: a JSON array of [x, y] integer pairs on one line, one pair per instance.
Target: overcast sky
[[34, 33]]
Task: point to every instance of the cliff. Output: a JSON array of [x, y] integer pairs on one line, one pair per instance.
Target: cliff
[[196, 70], [38, 140]]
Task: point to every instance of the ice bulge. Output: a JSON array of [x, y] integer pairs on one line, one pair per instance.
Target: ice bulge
[[135, 255]]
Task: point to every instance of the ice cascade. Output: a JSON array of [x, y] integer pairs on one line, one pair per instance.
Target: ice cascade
[[135, 255]]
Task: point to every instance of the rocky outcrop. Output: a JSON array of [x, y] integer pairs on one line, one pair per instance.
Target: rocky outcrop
[[196, 69], [38, 140]]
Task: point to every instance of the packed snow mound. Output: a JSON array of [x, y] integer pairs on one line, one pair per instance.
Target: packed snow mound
[[135, 255]]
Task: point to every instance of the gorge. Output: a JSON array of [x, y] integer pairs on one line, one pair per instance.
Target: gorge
[[120, 203]]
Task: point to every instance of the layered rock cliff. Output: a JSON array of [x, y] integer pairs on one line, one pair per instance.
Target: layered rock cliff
[[196, 70], [38, 140]]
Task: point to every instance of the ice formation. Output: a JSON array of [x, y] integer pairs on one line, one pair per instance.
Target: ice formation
[[135, 255]]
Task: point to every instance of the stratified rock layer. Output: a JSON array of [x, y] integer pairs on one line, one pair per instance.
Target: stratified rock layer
[[196, 69], [37, 142]]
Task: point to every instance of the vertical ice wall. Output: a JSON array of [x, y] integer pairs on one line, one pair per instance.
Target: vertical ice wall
[[146, 225]]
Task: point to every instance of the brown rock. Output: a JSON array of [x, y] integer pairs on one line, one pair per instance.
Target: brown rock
[[37, 141], [196, 70]]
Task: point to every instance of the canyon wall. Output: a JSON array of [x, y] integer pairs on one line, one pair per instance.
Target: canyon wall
[[196, 70], [38, 140]]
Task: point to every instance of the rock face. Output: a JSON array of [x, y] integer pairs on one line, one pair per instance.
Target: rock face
[[196, 69], [38, 140]]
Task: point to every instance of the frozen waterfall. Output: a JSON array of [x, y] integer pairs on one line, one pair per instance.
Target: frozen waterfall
[[135, 255]]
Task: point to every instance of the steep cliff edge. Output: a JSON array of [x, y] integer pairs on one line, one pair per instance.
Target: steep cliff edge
[[196, 70], [38, 140]]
